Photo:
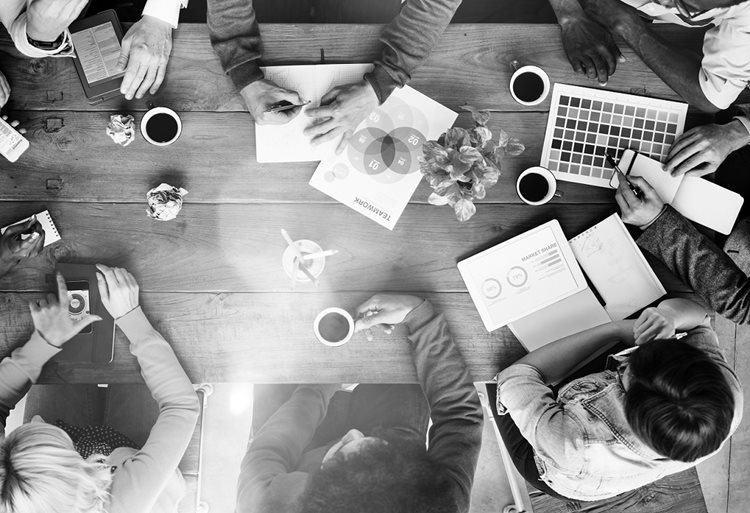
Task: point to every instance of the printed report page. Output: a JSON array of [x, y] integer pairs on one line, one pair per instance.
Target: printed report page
[[98, 50]]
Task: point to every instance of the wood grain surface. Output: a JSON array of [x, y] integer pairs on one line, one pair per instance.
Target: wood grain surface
[[471, 63]]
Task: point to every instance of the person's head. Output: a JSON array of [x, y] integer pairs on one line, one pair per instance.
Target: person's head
[[40, 470], [677, 400], [377, 474]]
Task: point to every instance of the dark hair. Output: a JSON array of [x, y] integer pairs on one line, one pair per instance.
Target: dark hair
[[393, 477], [678, 401]]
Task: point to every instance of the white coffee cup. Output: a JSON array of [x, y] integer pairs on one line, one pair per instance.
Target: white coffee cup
[[156, 141], [548, 177], [341, 313], [539, 72]]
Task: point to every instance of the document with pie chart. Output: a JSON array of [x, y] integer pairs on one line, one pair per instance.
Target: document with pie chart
[[378, 171], [522, 275]]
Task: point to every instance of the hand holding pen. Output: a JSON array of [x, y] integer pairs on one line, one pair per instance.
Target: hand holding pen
[[623, 176]]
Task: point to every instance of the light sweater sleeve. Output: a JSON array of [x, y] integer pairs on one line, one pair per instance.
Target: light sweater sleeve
[[19, 370], [13, 17], [140, 480]]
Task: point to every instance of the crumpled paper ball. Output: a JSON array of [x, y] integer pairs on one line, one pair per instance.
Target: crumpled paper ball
[[164, 202], [121, 129]]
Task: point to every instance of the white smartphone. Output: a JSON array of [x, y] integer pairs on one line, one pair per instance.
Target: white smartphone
[[12, 144]]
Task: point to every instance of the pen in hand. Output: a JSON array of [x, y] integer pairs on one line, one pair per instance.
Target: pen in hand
[[623, 176], [285, 106]]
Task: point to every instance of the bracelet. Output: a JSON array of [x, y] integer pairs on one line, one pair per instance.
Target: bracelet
[[663, 209], [126, 313], [47, 45], [47, 341]]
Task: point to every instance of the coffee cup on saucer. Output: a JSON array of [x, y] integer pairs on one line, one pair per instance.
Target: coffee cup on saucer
[[529, 85], [334, 327], [537, 185], [161, 126]]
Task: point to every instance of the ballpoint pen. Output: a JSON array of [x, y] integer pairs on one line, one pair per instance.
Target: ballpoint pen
[[611, 161], [277, 107]]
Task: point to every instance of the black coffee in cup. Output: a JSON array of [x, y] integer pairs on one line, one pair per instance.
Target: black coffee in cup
[[534, 187], [162, 127], [528, 87], [333, 327]]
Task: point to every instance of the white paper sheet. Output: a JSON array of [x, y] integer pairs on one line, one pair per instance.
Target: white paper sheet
[[695, 198], [521, 276], [45, 219], [568, 316], [378, 171], [616, 267], [287, 143]]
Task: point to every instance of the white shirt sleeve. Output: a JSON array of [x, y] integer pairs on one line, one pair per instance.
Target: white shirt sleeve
[[745, 121], [725, 69], [17, 32], [165, 10]]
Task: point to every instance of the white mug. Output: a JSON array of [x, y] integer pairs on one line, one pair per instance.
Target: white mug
[[335, 310], [520, 70], [160, 110], [551, 185]]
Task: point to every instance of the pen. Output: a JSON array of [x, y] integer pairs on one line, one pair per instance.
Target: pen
[[284, 108], [611, 161]]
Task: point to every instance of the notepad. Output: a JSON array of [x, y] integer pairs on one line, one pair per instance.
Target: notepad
[[45, 219], [288, 143], [522, 275], [696, 198], [616, 267]]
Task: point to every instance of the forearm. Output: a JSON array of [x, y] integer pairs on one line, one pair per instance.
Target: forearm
[[407, 41], [566, 10], [678, 68], [556, 360], [699, 263], [235, 37], [456, 413], [686, 314]]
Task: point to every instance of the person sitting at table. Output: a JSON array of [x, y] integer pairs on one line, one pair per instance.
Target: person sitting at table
[[659, 407], [710, 82], [315, 449], [59, 467], [407, 41], [15, 247], [686, 252], [39, 28]]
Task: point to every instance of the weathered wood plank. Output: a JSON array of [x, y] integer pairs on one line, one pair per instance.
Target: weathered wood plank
[[678, 493], [268, 338], [238, 247], [72, 159], [470, 63], [739, 467]]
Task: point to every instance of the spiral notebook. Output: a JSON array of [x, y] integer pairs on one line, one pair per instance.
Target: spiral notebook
[[45, 219]]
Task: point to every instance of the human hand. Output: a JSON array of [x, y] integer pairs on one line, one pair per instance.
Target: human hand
[[638, 211], [52, 318], [652, 324], [118, 290], [47, 19], [19, 242], [4, 90], [701, 150], [385, 309], [144, 56], [590, 48], [263, 95], [341, 110]]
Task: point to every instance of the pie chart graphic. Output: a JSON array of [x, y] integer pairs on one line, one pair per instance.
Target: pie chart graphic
[[387, 146]]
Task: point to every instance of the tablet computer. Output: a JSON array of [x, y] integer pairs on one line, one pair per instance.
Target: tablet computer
[[96, 41]]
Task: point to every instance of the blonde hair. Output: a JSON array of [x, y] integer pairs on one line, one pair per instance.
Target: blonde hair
[[41, 471]]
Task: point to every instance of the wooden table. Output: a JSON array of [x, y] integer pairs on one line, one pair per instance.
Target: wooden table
[[211, 280]]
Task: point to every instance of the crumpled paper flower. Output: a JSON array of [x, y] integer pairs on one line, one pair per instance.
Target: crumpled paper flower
[[164, 202], [121, 129]]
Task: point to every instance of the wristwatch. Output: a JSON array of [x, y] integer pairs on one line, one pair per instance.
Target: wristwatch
[[47, 45]]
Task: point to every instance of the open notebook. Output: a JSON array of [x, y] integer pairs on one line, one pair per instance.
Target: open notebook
[[695, 198], [617, 270], [45, 219]]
